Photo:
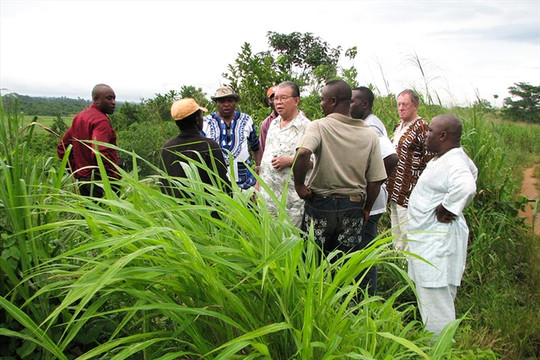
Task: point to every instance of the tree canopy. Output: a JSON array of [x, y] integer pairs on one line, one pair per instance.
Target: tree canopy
[[527, 106]]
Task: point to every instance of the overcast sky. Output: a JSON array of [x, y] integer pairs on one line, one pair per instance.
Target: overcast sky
[[140, 48]]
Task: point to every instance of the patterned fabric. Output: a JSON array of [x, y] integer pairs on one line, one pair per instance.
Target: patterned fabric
[[412, 159], [236, 140], [337, 222], [283, 142]]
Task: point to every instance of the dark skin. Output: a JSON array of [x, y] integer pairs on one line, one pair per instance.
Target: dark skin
[[335, 98], [104, 98], [444, 134], [226, 107], [360, 108]]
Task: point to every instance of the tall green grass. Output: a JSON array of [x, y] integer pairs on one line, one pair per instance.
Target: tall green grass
[[142, 275]]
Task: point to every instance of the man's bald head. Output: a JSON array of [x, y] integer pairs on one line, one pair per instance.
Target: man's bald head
[[104, 98], [451, 124], [336, 97], [444, 133]]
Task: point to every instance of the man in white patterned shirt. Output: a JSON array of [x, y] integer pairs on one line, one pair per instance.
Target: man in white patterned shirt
[[283, 135]]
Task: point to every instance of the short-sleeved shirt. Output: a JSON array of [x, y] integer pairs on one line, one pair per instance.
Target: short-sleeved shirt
[[376, 124], [346, 166], [282, 142]]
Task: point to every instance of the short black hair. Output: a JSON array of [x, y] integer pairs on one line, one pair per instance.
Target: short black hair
[[366, 94], [341, 90]]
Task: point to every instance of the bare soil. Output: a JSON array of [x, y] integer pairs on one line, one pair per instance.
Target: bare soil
[[529, 190]]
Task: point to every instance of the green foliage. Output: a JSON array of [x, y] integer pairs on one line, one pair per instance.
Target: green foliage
[[146, 139], [308, 58], [303, 58], [49, 106], [251, 75], [527, 107], [59, 126], [145, 275]]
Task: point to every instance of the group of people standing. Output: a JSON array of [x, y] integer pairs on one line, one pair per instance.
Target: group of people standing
[[337, 173]]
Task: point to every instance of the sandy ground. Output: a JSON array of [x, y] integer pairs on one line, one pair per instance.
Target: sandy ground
[[528, 189]]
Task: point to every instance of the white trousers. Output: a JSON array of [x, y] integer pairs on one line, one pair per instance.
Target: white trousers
[[436, 306], [398, 218]]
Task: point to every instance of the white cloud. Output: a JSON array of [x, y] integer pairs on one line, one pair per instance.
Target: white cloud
[[63, 48]]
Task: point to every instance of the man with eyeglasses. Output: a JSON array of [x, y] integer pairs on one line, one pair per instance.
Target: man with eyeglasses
[[236, 135], [278, 157]]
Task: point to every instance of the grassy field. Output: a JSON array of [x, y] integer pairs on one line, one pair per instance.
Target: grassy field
[[140, 276], [46, 121]]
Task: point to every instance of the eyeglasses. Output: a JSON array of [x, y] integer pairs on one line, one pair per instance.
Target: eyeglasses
[[282, 98]]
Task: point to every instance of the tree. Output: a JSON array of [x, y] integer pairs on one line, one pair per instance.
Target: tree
[[59, 126], [250, 75], [527, 107], [303, 58]]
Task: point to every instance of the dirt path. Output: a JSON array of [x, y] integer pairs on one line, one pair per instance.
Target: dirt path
[[528, 189]]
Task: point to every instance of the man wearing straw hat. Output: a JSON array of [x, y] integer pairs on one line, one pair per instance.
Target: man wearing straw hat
[[190, 146]]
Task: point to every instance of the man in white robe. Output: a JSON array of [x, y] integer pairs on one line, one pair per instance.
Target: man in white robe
[[438, 231]]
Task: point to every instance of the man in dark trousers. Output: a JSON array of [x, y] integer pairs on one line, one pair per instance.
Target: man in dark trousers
[[191, 146], [347, 172], [92, 124]]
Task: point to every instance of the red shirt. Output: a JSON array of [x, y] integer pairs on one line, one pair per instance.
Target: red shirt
[[89, 124]]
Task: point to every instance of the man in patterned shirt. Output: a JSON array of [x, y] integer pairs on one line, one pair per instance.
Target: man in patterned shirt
[[236, 135], [408, 138], [284, 133]]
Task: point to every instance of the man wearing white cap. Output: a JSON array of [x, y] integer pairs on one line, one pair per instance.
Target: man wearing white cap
[[190, 146], [236, 135]]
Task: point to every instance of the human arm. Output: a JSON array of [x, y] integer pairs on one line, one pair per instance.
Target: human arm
[[372, 191], [444, 215], [219, 159], [64, 144], [103, 132], [390, 163], [460, 188], [300, 169]]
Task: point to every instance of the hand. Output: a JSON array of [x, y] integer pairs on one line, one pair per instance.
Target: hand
[[281, 162], [366, 216], [444, 215], [303, 192]]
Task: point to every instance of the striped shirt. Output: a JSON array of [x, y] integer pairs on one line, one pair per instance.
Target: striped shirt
[[412, 159]]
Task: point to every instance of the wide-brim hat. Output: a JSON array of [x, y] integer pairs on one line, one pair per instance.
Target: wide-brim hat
[[225, 92], [182, 108]]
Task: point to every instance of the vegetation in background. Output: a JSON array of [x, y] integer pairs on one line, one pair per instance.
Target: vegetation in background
[[48, 106], [527, 106], [148, 276], [140, 276]]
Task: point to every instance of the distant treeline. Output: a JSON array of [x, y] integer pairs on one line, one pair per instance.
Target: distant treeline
[[45, 106]]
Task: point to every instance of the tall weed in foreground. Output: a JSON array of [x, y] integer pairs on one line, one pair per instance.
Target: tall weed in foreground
[[24, 189], [147, 276], [500, 284]]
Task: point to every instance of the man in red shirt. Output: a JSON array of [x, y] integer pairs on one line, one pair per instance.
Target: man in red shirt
[[92, 124]]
